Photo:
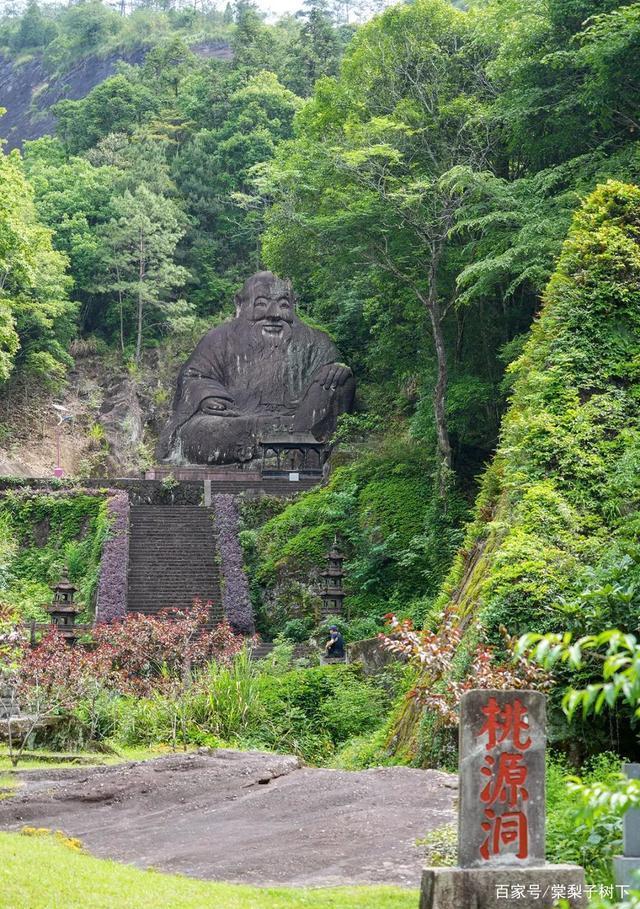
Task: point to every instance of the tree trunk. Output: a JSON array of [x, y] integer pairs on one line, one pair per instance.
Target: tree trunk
[[436, 317], [139, 329], [121, 322], [121, 306], [440, 390], [141, 274], [430, 302]]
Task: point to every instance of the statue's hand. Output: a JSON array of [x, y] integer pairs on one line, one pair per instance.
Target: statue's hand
[[216, 407], [332, 375]]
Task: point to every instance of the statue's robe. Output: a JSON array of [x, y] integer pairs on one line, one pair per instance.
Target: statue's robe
[[268, 384]]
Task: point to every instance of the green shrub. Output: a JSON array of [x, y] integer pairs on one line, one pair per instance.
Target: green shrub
[[311, 712], [440, 846], [354, 707], [297, 630], [575, 841], [278, 662], [398, 541], [139, 721], [365, 751], [227, 701]]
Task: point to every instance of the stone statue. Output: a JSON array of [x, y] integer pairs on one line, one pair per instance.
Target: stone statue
[[263, 372]]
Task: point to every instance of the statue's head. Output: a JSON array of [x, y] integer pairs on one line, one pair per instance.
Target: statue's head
[[268, 302]]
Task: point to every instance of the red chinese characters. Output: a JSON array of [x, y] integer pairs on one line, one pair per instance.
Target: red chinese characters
[[504, 793]]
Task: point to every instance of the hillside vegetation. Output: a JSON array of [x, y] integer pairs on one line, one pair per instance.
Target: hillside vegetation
[[553, 546], [452, 191]]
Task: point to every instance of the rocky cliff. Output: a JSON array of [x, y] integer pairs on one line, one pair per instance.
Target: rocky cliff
[[28, 90]]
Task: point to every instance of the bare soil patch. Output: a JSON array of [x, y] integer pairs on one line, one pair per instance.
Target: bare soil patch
[[243, 817]]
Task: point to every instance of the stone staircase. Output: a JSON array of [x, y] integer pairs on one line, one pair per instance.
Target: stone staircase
[[261, 651], [264, 649], [172, 558]]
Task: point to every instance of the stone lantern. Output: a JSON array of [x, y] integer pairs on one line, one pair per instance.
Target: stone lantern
[[63, 610], [332, 593]]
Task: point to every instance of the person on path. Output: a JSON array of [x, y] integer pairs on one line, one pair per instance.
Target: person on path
[[334, 647]]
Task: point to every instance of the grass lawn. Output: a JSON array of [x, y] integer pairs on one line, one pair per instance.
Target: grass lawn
[[40, 872], [10, 782], [47, 760]]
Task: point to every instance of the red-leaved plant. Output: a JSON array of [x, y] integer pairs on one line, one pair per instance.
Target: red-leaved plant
[[136, 655], [434, 653]]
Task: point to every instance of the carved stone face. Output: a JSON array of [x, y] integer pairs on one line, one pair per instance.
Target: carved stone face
[[268, 302]]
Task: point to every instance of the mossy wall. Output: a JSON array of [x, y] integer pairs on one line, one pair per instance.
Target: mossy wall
[[41, 533]]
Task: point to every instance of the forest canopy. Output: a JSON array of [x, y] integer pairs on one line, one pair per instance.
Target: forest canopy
[[451, 189], [415, 175]]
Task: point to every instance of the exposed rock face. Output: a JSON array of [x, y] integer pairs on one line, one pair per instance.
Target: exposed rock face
[[122, 419], [263, 372], [29, 90], [168, 812]]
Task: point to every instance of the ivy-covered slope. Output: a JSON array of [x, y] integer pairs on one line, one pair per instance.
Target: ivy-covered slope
[[398, 541], [40, 535], [553, 543]]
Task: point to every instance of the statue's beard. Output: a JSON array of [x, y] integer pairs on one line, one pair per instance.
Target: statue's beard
[[264, 343]]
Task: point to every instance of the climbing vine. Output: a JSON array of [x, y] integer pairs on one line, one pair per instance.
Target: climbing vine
[[41, 534]]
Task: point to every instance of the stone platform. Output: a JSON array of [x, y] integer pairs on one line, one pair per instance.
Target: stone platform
[[195, 474], [179, 486], [500, 888], [236, 480]]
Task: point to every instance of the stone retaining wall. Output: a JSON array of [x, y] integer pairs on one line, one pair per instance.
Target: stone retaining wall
[[373, 656]]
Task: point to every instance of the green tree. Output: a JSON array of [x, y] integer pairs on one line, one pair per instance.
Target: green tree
[[253, 43], [34, 29], [141, 158], [368, 177], [139, 248], [36, 315], [89, 24], [73, 199], [213, 172], [609, 47], [118, 104], [317, 51], [166, 65], [543, 78]]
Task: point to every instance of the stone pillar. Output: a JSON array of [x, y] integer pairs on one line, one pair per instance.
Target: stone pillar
[[627, 866], [501, 855], [208, 496], [502, 807]]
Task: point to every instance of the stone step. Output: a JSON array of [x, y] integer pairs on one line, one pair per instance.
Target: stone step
[[168, 548], [261, 651], [264, 649], [177, 543], [202, 591], [172, 558]]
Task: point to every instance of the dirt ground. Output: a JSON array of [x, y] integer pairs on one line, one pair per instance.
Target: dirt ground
[[243, 817]]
